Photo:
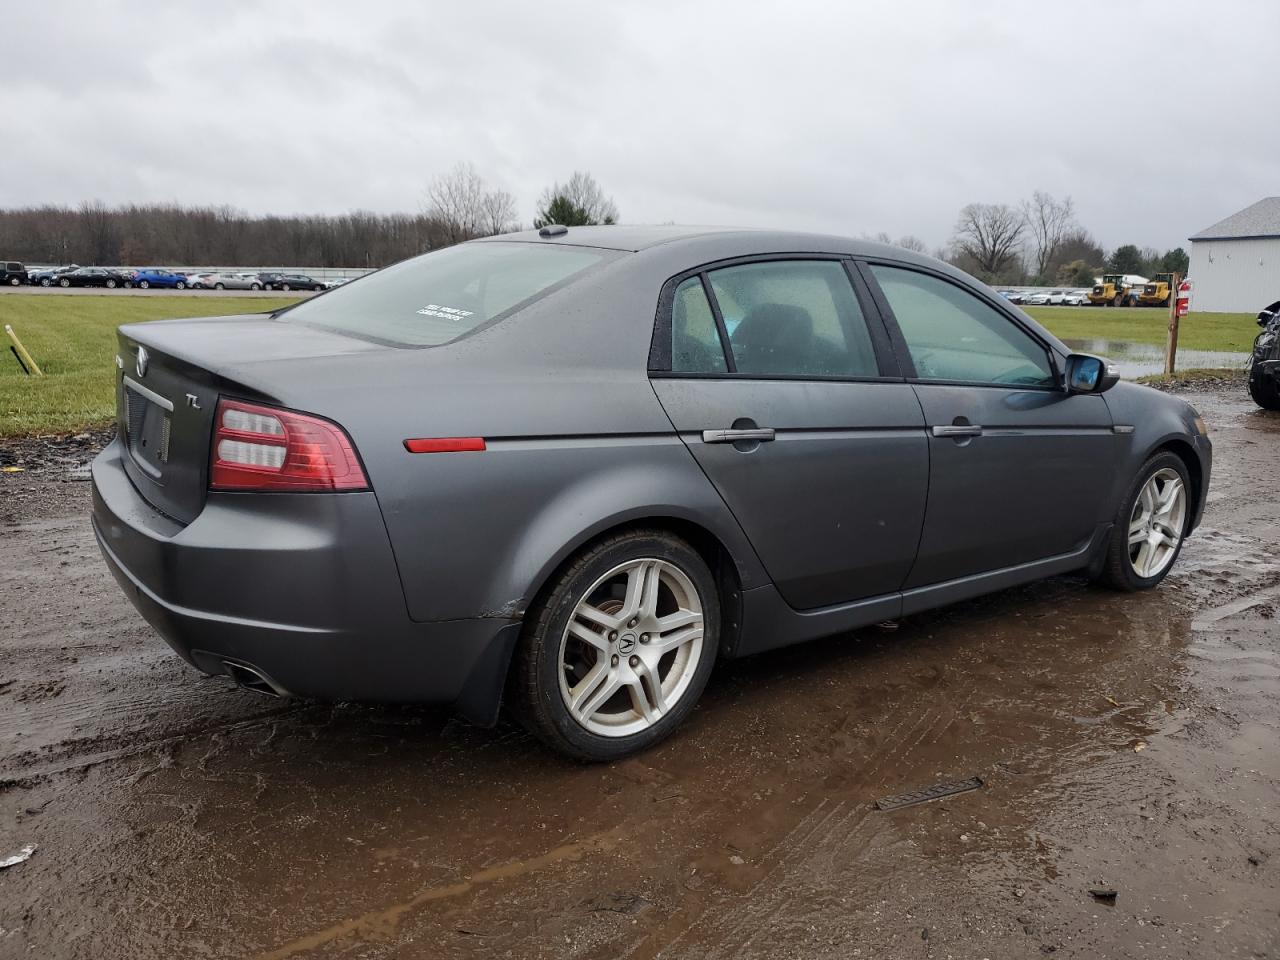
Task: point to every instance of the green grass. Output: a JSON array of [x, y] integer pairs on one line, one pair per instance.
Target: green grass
[[73, 339], [1233, 332]]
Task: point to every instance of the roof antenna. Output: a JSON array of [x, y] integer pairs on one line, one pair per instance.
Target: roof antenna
[[553, 230]]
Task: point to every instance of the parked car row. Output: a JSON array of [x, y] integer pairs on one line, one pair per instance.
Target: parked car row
[[13, 273], [1040, 298]]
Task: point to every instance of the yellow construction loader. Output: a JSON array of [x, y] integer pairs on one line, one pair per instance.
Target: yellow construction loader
[[1114, 290], [1157, 291]]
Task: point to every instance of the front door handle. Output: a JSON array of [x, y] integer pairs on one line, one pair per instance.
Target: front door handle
[[756, 435], [958, 430]]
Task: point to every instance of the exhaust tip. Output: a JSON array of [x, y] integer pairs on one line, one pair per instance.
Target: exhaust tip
[[251, 678]]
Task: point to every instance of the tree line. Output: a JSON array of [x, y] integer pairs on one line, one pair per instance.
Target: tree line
[[1035, 242], [458, 205], [1038, 242]]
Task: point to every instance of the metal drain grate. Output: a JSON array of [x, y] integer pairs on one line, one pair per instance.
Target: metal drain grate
[[935, 792]]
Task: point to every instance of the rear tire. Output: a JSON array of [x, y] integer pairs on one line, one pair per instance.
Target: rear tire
[[219, 286], [599, 627], [144, 284], [111, 284], [255, 286], [1144, 526], [284, 286], [64, 283], [1265, 390]]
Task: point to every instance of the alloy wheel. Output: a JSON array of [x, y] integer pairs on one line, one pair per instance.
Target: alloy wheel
[[631, 647], [1157, 523]]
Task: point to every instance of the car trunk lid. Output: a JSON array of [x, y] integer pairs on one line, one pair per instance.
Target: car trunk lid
[[170, 376]]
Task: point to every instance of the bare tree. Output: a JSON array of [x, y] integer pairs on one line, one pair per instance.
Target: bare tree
[[912, 243], [456, 199], [989, 234], [1049, 221], [499, 212], [578, 203]]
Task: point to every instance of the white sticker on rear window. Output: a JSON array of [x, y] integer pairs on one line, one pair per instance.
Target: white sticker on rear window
[[445, 313]]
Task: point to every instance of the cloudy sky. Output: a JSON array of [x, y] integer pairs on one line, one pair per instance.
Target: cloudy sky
[[1158, 118]]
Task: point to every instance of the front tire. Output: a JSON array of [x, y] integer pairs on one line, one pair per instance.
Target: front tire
[[255, 286], [64, 283], [1151, 525], [111, 284], [219, 286], [617, 652], [144, 284]]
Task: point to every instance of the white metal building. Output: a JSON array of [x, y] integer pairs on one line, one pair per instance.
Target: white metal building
[[1235, 264]]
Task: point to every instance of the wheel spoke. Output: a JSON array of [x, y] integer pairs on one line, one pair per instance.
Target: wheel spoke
[[1170, 498], [676, 638], [584, 633], [674, 621], [596, 688], [1148, 498], [1137, 534], [1143, 560], [646, 695], [595, 615], [640, 701], [639, 589]]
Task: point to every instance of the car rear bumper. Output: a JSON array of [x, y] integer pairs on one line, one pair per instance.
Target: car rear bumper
[[302, 589]]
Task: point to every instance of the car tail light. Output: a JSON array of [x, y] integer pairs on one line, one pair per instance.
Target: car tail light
[[266, 448]]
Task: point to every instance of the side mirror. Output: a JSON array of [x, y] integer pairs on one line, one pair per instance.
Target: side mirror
[[1089, 374]]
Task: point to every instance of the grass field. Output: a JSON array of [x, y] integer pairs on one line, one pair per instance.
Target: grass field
[[73, 340], [1233, 332]]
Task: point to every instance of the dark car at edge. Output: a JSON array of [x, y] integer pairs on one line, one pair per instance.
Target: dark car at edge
[[566, 471], [12, 273]]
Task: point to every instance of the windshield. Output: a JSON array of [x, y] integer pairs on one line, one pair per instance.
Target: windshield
[[441, 296]]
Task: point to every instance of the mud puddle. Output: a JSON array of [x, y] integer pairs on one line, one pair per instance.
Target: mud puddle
[[1125, 743]]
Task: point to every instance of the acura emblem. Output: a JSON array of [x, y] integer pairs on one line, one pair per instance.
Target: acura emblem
[[142, 361]]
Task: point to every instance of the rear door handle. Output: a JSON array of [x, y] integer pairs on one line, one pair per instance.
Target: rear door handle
[[958, 430], [759, 434]]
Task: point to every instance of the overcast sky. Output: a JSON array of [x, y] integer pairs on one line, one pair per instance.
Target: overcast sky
[[847, 117]]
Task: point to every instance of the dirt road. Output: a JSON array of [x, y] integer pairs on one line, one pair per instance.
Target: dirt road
[[1125, 742]]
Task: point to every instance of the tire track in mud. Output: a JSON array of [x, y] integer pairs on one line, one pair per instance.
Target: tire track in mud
[[830, 819]]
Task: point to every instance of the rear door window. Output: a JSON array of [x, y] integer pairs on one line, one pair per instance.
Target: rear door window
[[442, 296], [793, 318]]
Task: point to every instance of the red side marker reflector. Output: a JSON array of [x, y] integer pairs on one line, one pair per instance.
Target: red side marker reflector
[[444, 444]]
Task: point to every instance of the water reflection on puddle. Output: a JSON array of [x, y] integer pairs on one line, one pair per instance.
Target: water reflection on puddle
[[1139, 359]]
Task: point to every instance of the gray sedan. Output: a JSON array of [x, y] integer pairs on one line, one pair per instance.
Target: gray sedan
[[567, 471], [232, 281]]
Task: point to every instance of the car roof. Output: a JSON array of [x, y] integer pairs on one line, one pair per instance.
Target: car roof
[[729, 241]]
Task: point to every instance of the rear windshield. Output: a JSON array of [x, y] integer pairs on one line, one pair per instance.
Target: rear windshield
[[444, 295]]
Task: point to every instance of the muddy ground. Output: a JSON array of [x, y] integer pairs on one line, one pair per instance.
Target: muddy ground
[[1125, 742]]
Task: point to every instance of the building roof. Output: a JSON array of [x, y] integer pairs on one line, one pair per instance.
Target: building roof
[[1260, 220]]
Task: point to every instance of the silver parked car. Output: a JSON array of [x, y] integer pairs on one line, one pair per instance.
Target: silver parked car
[[570, 469], [232, 281]]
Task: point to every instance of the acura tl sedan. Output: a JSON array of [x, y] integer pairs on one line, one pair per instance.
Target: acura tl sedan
[[566, 471]]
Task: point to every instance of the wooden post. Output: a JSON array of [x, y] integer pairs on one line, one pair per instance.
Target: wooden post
[[1171, 347], [21, 351]]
